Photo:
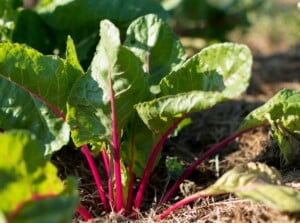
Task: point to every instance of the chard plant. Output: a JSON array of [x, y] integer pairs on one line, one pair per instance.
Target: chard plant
[[131, 98]]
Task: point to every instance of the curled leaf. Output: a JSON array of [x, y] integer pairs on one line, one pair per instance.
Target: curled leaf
[[257, 182], [282, 112]]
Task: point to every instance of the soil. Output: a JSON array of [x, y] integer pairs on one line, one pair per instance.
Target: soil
[[275, 67]]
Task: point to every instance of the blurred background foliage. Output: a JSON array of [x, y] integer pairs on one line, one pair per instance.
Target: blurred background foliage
[[202, 22], [45, 24], [211, 19]]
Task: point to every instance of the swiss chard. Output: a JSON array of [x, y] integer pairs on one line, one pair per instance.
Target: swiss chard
[[117, 99], [126, 104]]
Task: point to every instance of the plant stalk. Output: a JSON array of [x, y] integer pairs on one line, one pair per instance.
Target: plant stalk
[[109, 180], [116, 148], [207, 154], [96, 176], [130, 190], [151, 161], [85, 214], [179, 204]]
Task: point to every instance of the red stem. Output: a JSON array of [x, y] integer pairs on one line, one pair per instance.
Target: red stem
[[116, 148], [130, 190], [52, 107], [85, 214], [96, 176], [109, 180], [179, 204], [207, 154], [151, 162]]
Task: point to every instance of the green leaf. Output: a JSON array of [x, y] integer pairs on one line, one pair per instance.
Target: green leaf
[[153, 41], [289, 144], [159, 114], [43, 75], [259, 183], [89, 106], [282, 112], [58, 209], [217, 73], [83, 16], [282, 109], [174, 167], [25, 174], [80, 19], [26, 75], [222, 68], [23, 111]]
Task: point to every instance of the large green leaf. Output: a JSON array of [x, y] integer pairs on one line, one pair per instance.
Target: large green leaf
[[89, 106], [26, 75], [282, 112], [80, 19], [153, 41], [46, 76], [223, 67], [257, 182], [81, 15], [25, 176], [217, 73], [23, 111]]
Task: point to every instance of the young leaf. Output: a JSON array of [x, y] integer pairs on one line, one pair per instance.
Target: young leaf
[[89, 108], [33, 86], [153, 41], [282, 112], [257, 182], [26, 176], [217, 73], [282, 109]]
